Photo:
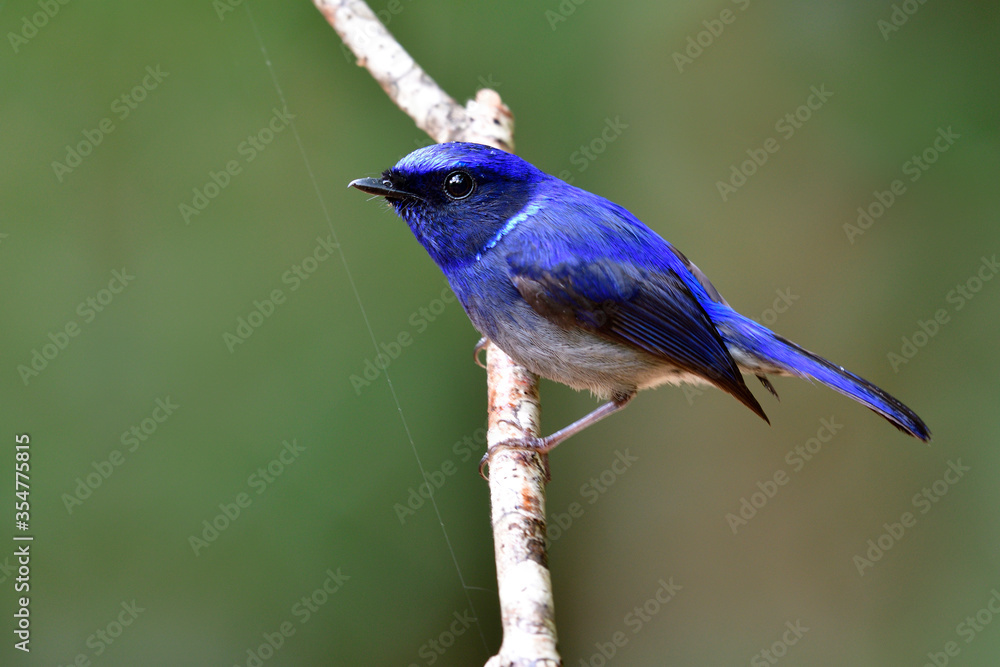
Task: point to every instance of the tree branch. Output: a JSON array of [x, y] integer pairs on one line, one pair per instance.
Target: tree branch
[[409, 86], [517, 477], [517, 492]]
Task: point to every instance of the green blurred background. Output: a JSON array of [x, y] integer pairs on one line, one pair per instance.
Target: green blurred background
[[408, 582]]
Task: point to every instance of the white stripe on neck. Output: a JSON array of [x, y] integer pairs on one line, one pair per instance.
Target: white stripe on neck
[[525, 213]]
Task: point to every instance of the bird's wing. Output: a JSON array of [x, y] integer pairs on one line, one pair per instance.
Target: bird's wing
[[619, 283]]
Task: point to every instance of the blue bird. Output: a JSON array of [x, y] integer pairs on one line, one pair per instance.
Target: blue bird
[[576, 289]]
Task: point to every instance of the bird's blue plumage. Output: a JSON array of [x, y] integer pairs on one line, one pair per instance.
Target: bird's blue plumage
[[577, 289]]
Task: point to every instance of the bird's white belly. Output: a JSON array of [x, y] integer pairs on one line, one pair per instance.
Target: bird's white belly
[[578, 358]]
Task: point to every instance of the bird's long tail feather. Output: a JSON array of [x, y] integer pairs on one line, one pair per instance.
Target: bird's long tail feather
[[758, 349]]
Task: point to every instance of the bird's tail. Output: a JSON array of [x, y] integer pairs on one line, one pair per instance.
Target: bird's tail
[[758, 349]]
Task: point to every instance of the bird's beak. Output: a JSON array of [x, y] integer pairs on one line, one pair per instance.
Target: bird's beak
[[375, 186]]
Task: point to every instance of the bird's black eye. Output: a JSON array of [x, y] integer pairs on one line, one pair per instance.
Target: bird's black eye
[[459, 184]]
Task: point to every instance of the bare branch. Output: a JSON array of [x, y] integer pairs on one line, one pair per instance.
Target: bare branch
[[517, 477], [517, 491], [409, 86]]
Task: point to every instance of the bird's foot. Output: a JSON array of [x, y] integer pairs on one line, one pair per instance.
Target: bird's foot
[[480, 346], [528, 444]]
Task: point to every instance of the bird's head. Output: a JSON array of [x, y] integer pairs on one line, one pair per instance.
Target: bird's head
[[456, 197]]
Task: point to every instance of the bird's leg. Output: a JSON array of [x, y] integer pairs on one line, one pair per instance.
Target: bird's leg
[[480, 346], [548, 443]]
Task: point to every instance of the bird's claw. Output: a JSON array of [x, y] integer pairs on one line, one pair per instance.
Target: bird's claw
[[527, 443], [480, 346]]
